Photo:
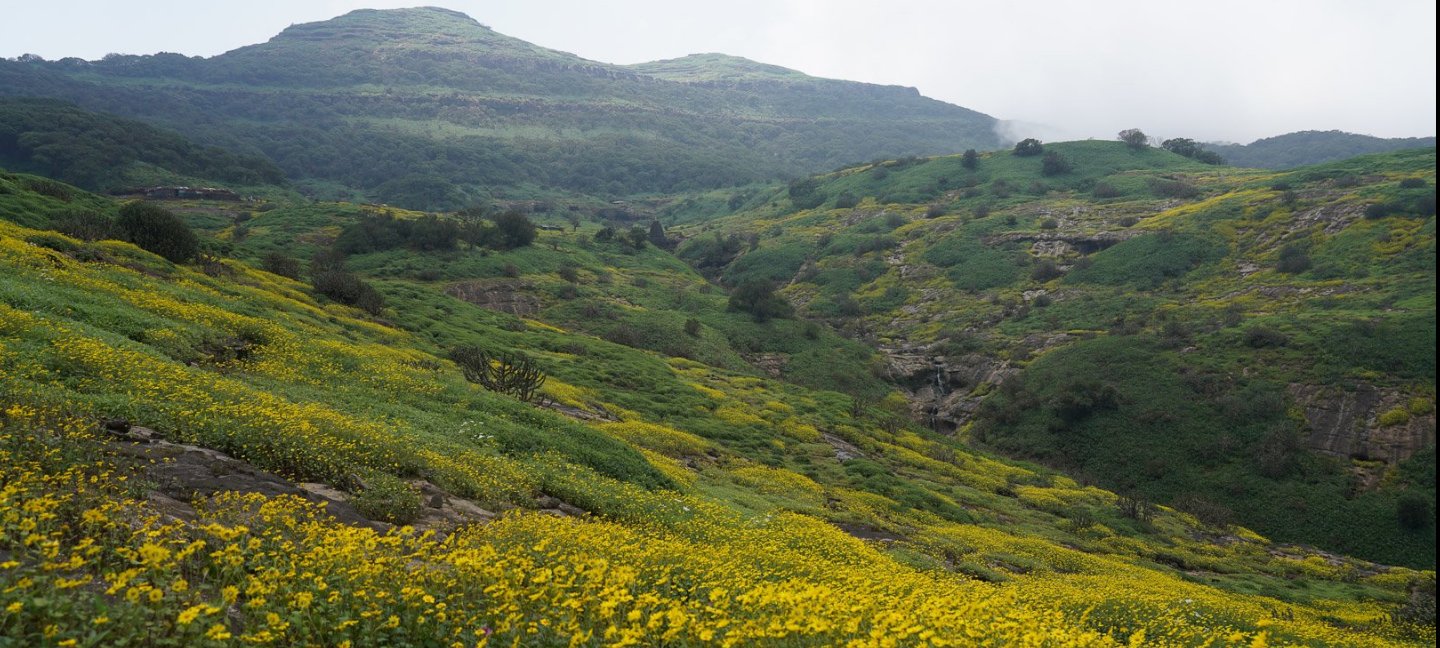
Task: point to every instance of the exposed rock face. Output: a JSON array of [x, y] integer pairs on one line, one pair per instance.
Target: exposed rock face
[[1346, 423], [185, 474], [1052, 243], [773, 364], [513, 297], [941, 389]]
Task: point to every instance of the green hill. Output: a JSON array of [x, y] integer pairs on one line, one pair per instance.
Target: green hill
[[429, 109], [100, 152], [1311, 147], [695, 499], [1249, 346]]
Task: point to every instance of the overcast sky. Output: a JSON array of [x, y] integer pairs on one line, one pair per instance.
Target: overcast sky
[[1207, 69]]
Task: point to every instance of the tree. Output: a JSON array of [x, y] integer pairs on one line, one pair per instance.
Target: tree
[[155, 229], [1029, 147], [1134, 138], [513, 230], [1054, 164], [970, 159], [1191, 149], [757, 297]]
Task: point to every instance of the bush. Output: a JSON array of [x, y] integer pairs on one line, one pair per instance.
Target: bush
[[569, 273], [1045, 271], [514, 374], [1104, 190], [1028, 147], [1128, 221], [1413, 183], [85, 225], [155, 229], [1054, 164], [387, 498], [1413, 512], [692, 327], [1168, 188], [1261, 337], [970, 159], [846, 200], [1293, 260], [1049, 224], [514, 230], [280, 264], [757, 297], [346, 288], [934, 210]]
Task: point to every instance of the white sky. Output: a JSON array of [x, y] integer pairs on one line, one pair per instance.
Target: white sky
[[1207, 69]]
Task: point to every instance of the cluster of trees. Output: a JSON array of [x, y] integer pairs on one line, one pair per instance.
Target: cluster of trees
[[1189, 148], [1028, 147], [477, 227], [757, 297]]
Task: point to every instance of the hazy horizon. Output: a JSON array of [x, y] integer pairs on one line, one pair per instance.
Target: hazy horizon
[[1222, 71]]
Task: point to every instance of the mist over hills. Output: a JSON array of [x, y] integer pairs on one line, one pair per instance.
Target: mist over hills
[[428, 108]]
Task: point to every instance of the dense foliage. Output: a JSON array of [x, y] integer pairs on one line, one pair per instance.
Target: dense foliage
[[101, 152]]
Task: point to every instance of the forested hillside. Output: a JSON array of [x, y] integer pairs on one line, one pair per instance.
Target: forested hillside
[[428, 109]]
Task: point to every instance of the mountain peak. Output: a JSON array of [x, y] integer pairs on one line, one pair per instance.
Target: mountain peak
[[713, 66]]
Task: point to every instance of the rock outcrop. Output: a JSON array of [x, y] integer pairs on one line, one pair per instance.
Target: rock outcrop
[[513, 297], [943, 390], [1348, 423]]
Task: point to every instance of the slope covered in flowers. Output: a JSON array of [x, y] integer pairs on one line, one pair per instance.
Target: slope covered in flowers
[[697, 535]]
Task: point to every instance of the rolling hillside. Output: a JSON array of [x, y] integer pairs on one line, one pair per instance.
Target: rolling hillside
[[1252, 347], [428, 109], [675, 483]]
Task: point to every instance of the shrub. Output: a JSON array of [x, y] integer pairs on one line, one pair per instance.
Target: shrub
[[757, 297], [1293, 260], [1208, 512], [508, 373], [1413, 512], [934, 210], [1395, 416], [155, 229], [1049, 224], [1413, 183], [1104, 190], [1045, 271], [514, 230], [846, 200], [981, 211], [510, 270], [280, 264], [1128, 221], [346, 288], [85, 225], [387, 498], [1261, 337], [970, 159], [1028, 147], [1168, 188], [569, 273], [1054, 164], [692, 327]]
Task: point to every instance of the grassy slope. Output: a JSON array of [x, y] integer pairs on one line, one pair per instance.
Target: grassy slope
[[1167, 312], [704, 466]]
